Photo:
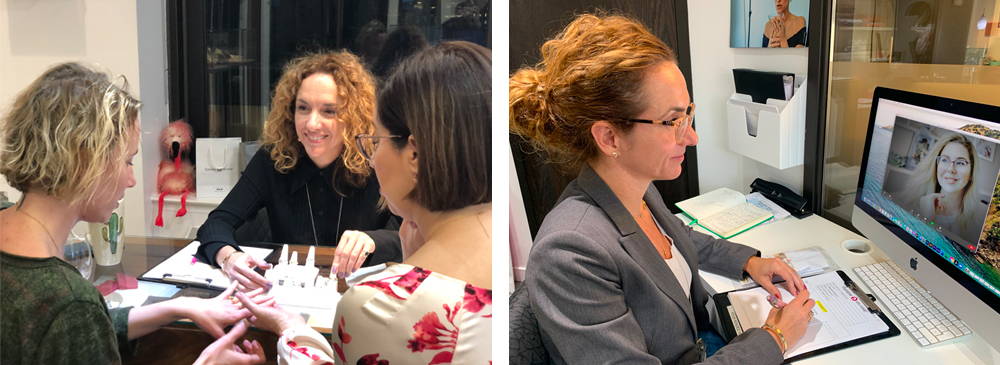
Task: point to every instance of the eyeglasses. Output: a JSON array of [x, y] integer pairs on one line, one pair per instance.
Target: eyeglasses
[[359, 141], [680, 123], [960, 163]]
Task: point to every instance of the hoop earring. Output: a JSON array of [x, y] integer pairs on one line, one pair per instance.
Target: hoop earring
[[614, 154]]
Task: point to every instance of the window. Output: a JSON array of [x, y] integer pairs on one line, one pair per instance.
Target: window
[[942, 47], [226, 55]]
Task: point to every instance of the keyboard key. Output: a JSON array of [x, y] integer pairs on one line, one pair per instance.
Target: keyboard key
[[918, 312], [928, 335]]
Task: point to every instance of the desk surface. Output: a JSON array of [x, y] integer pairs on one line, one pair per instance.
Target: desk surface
[[182, 342], [793, 234]]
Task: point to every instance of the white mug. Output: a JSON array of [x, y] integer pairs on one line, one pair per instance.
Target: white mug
[[107, 239]]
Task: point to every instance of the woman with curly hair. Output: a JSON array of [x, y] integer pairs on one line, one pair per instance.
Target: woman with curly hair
[[612, 275], [312, 180], [432, 155]]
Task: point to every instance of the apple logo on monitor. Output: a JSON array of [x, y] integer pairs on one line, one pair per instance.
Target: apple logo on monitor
[[913, 263]]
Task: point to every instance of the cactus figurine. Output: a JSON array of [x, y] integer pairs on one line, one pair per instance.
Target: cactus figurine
[[113, 231]]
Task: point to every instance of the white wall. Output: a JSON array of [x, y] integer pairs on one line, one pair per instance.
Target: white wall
[[34, 35], [712, 62]]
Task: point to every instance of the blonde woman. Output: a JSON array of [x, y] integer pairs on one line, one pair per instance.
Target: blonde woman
[[943, 187], [69, 140], [308, 175], [612, 275]]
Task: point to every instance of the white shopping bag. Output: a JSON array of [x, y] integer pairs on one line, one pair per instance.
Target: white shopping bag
[[217, 163]]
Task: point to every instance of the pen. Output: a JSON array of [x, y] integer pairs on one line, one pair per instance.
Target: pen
[[187, 278]]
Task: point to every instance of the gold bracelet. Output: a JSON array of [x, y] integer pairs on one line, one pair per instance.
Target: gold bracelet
[[776, 332], [225, 260]]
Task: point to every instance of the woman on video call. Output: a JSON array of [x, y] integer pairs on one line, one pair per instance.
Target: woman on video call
[[944, 185]]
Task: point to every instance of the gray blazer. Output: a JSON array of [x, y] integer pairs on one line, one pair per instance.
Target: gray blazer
[[602, 294]]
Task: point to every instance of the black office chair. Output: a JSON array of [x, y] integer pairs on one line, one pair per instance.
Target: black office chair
[[525, 339]]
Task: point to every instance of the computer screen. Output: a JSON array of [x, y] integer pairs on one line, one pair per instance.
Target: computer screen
[[930, 199]]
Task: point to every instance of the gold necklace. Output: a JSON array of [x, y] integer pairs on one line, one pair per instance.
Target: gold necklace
[[663, 251], [46, 229]]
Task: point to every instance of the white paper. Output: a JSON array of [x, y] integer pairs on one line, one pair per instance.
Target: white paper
[[182, 268], [838, 316], [759, 200]]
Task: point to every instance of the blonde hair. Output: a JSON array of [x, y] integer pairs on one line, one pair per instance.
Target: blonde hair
[[356, 95], [925, 179], [65, 129], [591, 71]]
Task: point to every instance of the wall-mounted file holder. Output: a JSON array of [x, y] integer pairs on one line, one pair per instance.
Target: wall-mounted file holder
[[773, 133]]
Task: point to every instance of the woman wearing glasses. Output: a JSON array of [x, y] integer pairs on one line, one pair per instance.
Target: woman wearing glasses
[[432, 156], [943, 189], [613, 276], [310, 177]]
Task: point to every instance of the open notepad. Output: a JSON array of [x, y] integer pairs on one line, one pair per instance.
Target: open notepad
[[841, 317], [724, 212]]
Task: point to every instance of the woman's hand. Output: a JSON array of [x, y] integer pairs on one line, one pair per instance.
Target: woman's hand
[[353, 249], [225, 351], [792, 319], [763, 272], [212, 315], [270, 316], [778, 36], [238, 266]]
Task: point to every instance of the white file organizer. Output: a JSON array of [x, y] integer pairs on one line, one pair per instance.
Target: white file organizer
[[779, 125]]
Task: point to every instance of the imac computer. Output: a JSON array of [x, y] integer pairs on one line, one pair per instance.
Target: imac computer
[[929, 198]]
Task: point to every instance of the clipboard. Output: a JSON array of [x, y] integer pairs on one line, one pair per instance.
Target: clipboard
[[844, 298], [182, 270]]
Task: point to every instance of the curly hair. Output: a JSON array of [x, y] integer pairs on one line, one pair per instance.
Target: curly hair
[[591, 71], [356, 95], [64, 130]]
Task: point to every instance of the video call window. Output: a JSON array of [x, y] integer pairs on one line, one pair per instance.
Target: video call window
[[946, 178]]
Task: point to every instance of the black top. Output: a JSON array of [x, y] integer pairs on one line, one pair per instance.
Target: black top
[[799, 38], [284, 196]]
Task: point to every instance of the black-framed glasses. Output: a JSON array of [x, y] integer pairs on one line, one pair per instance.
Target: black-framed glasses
[[359, 141], [680, 123]]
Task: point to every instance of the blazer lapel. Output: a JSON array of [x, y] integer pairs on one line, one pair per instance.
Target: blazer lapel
[[665, 218], [634, 241]]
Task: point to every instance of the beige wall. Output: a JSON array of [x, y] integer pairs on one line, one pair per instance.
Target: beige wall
[[35, 35]]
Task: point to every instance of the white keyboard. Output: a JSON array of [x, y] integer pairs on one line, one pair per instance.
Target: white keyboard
[[922, 316]]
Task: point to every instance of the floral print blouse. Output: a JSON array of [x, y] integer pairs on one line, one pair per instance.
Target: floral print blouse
[[401, 315]]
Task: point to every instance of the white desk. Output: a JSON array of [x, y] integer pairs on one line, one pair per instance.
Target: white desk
[[792, 234]]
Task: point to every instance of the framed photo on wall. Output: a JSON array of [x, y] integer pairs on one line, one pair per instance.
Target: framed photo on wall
[[769, 23]]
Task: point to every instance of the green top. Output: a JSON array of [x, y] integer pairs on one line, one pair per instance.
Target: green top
[[50, 314]]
